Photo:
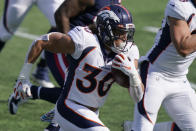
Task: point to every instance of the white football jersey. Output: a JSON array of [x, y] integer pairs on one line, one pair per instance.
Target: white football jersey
[[89, 75], [163, 55]]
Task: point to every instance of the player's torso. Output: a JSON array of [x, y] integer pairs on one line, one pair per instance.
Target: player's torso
[[163, 55], [89, 78], [86, 17]]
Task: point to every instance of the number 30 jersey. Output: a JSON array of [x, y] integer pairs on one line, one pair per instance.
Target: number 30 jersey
[[89, 76]]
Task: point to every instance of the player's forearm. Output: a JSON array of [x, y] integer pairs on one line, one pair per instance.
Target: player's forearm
[[136, 92], [136, 88], [31, 57], [35, 51], [37, 47]]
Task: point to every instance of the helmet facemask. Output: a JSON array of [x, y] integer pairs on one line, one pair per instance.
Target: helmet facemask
[[121, 37]]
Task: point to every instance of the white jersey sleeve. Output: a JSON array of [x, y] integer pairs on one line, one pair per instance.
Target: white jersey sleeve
[[77, 35], [132, 51], [177, 9], [135, 52]]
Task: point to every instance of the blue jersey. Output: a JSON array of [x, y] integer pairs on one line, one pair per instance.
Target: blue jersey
[[86, 17]]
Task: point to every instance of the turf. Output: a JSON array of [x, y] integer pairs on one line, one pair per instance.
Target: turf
[[118, 107]]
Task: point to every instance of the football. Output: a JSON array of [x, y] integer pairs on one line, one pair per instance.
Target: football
[[120, 78]]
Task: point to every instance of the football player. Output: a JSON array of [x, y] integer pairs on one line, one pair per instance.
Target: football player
[[81, 15], [77, 11], [164, 71], [91, 51], [14, 13]]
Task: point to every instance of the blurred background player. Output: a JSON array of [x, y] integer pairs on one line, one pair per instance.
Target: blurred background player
[[90, 52], [14, 13], [164, 70]]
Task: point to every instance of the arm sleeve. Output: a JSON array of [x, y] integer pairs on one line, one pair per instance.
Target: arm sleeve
[[133, 52], [136, 53], [77, 36], [176, 10]]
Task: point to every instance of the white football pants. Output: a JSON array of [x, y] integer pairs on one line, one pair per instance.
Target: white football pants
[[78, 118], [15, 11], [174, 94]]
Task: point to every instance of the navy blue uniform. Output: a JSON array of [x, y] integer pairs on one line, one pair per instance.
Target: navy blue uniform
[[86, 17], [58, 62]]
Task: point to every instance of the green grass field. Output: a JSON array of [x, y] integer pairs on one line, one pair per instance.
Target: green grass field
[[118, 107]]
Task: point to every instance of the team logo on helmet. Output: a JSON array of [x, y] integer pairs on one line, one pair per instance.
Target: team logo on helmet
[[105, 14]]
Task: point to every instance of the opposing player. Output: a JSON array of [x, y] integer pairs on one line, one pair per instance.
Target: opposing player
[[14, 13], [90, 51], [164, 71]]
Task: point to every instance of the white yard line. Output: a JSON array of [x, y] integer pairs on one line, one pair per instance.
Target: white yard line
[[155, 30], [151, 29], [26, 35]]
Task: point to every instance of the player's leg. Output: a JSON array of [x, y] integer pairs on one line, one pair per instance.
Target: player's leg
[[14, 13], [37, 92], [44, 93], [58, 65], [181, 105], [146, 110], [74, 117], [48, 8]]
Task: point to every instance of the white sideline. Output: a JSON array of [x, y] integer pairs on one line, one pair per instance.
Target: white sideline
[[33, 37], [155, 30]]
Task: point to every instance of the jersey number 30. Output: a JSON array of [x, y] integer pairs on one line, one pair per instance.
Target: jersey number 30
[[92, 73]]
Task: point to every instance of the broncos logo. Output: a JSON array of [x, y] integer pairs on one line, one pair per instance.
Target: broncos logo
[[105, 14]]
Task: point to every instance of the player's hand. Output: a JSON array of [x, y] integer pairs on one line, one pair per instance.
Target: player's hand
[[22, 89], [123, 63]]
